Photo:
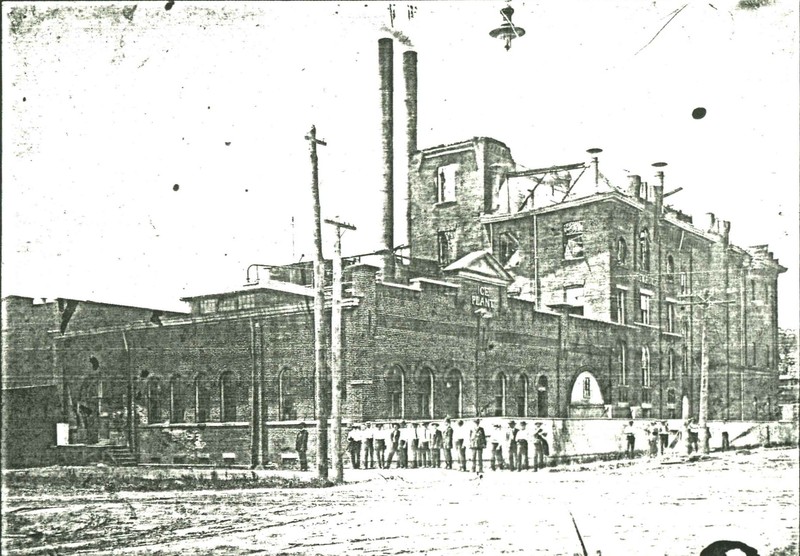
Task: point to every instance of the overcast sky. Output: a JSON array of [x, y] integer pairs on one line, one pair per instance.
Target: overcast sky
[[151, 153]]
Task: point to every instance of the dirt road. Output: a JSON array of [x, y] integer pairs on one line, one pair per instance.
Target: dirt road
[[645, 508]]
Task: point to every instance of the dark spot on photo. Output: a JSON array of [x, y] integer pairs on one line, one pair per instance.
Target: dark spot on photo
[[227, 143], [144, 374], [169, 5], [176, 187], [24, 99], [699, 113]]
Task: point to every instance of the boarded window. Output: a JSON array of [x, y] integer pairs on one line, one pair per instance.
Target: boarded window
[[573, 240], [446, 183], [447, 246], [228, 396]]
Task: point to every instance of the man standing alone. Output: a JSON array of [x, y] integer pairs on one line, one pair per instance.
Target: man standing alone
[[447, 445], [540, 448], [630, 439], [368, 435], [477, 443], [394, 446], [301, 446], [522, 446], [436, 445]]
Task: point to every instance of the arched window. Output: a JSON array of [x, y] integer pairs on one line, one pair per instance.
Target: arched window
[[671, 364], [202, 398], [541, 397], [622, 251], [154, 400], [645, 367], [177, 400], [622, 364], [644, 250], [227, 396], [296, 395], [395, 392], [500, 395], [453, 394], [425, 394], [522, 395]]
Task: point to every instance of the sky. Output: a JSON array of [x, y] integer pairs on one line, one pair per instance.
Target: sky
[[154, 150]]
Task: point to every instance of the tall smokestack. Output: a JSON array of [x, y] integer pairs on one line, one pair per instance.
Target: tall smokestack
[[410, 76], [386, 68]]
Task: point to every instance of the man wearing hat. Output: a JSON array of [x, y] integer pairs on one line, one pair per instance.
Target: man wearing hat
[[407, 433], [461, 436], [368, 438], [436, 445], [354, 446], [394, 446], [496, 439], [511, 444], [477, 443], [380, 445], [301, 446], [540, 448], [523, 435], [447, 444], [412, 442]]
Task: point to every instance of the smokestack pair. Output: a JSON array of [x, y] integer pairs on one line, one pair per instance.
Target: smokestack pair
[[386, 70]]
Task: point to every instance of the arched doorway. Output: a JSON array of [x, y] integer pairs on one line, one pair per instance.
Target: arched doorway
[[395, 392], [586, 398], [541, 397], [453, 394], [86, 412], [500, 388], [425, 393]]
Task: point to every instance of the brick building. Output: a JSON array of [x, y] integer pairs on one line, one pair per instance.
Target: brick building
[[527, 293]]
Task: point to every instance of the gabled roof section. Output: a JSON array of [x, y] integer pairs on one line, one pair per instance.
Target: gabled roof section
[[482, 266], [263, 285]]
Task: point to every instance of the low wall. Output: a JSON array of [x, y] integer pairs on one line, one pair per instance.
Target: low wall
[[570, 439]]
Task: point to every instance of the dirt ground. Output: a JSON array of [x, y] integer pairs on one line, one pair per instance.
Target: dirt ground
[[620, 509]]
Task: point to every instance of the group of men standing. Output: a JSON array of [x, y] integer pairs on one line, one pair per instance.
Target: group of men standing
[[429, 444]]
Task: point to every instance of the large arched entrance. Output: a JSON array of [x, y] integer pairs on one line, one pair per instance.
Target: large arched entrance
[[453, 394], [586, 398], [541, 397]]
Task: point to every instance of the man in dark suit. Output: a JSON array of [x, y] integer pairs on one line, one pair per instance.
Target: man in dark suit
[[447, 445], [477, 443], [394, 445], [437, 441], [301, 446]]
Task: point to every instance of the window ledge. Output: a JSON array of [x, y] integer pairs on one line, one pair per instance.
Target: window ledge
[[444, 204], [652, 326], [575, 260]]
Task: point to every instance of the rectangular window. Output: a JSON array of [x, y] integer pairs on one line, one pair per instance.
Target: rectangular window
[[752, 290], [671, 318], [573, 240], [394, 404], [227, 304], [684, 281], [644, 308], [620, 316], [623, 368], [587, 388], [208, 305], [753, 350], [767, 356], [247, 301], [671, 365], [447, 246], [446, 183]]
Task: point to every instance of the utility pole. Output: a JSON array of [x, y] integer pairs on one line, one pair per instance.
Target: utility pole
[[702, 416], [319, 306], [336, 348]]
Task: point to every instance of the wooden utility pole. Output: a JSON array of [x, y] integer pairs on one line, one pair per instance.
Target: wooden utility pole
[[336, 349], [319, 305]]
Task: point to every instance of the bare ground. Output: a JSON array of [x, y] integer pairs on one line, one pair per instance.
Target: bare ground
[[644, 508]]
